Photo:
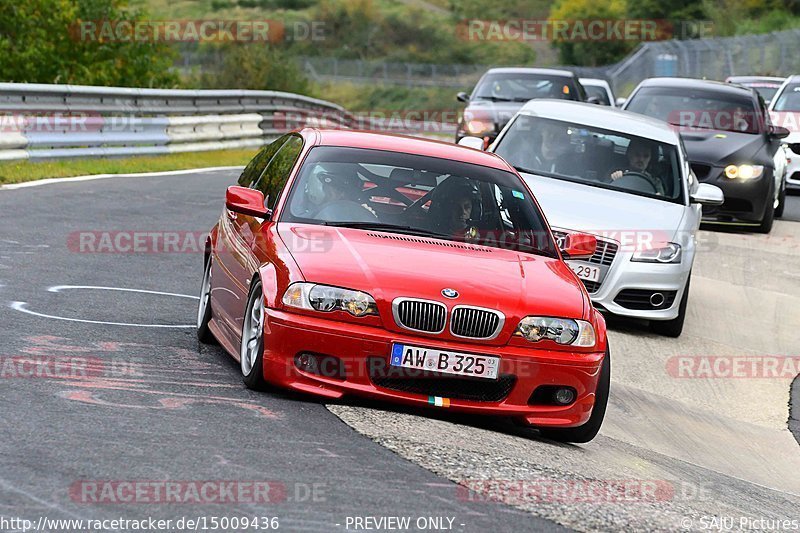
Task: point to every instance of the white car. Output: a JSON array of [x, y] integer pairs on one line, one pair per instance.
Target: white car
[[784, 111], [600, 89], [624, 178]]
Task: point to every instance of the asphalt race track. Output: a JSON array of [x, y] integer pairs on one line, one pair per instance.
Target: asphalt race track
[[122, 392]]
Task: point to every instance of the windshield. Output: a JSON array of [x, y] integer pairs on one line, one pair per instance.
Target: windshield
[[696, 109], [789, 100], [592, 156], [598, 92], [412, 194], [767, 92], [521, 87]]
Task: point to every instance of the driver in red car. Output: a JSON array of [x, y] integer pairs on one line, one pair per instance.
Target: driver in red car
[[639, 154]]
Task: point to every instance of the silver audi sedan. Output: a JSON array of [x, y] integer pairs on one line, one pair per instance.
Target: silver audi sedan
[[625, 178]]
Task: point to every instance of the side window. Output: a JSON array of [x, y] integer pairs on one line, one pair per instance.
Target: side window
[[255, 167], [275, 175]]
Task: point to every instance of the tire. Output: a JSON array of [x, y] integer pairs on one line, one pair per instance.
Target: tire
[[204, 334], [588, 430], [781, 203], [251, 347], [769, 215], [673, 328]]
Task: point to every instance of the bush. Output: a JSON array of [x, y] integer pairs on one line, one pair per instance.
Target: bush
[[254, 66]]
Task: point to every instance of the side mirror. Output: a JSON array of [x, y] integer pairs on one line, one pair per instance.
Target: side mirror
[[462, 97], [778, 132], [472, 142], [707, 194], [246, 201], [579, 246], [621, 101], [593, 100]]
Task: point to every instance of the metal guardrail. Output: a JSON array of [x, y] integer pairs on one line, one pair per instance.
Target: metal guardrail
[[41, 122]]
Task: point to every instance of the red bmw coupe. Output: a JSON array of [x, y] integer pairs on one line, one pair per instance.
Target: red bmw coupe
[[406, 270]]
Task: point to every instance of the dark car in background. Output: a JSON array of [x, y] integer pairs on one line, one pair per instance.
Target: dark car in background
[[730, 143], [501, 92], [766, 86]]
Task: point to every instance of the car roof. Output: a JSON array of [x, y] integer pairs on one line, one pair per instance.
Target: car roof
[[526, 70], [604, 117], [793, 79], [754, 79], [597, 82], [405, 144], [690, 83]]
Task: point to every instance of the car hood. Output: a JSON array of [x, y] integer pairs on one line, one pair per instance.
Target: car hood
[[719, 148], [389, 265], [498, 112], [603, 212]]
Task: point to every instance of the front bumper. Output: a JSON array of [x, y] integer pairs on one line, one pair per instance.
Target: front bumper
[[627, 275], [793, 168], [358, 347]]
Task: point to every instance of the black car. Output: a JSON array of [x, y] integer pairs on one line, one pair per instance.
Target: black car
[[501, 92], [730, 143]]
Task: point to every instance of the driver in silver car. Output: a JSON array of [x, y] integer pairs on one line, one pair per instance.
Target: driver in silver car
[[639, 155]]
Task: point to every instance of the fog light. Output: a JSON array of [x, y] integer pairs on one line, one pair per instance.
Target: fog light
[[657, 299], [307, 362], [564, 396], [321, 365]]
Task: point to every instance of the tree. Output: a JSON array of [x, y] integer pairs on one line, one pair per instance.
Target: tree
[[39, 44], [586, 51]]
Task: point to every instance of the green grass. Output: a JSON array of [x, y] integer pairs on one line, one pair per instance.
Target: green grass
[[380, 98], [21, 171]]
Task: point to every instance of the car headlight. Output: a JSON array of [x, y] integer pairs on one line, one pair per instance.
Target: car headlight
[[744, 172], [667, 253], [326, 298], [560, 330]]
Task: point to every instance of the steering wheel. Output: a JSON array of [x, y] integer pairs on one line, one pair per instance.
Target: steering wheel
[[637, 181], [383, 190]]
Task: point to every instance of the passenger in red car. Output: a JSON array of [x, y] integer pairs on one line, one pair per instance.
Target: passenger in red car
[[453, 206], [339, 191]]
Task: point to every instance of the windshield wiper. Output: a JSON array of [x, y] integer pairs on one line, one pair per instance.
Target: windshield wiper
[[496, 98], [380, 226], [539, 172]]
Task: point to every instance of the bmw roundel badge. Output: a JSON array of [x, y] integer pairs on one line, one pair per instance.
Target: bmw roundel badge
[[450, 293]]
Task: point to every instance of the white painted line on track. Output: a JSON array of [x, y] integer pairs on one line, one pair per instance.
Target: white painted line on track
[[92, 177], [21, 306], [59, 288]]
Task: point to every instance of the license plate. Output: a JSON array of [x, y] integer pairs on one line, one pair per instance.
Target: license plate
[[444, 361], [587, 272]]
